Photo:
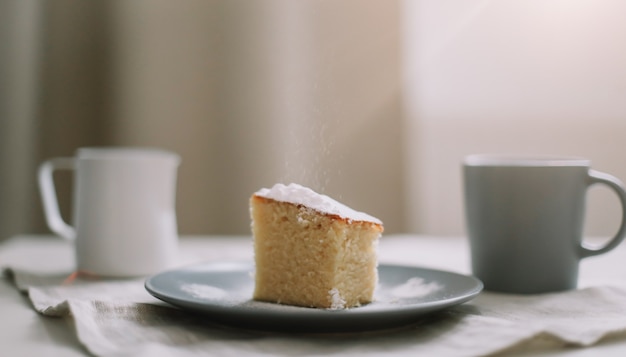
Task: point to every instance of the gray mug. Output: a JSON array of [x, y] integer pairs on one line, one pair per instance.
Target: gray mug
[[525, 220]]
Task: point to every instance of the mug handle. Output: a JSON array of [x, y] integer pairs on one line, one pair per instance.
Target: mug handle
[[49, 196], [616, 185]]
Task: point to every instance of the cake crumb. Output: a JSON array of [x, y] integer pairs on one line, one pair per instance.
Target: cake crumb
[[336, 301]]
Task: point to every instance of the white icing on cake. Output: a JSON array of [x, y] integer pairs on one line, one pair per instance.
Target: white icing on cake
[[300, 195]]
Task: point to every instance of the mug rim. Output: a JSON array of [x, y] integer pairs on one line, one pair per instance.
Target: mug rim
[[524, 160]]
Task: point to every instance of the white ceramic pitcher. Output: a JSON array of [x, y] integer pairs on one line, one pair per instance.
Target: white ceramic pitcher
[[124, 219]]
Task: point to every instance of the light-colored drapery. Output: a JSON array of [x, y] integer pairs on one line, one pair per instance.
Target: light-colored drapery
[[249, 93]]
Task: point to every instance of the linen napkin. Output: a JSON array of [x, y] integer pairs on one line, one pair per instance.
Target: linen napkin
[[113, 318]]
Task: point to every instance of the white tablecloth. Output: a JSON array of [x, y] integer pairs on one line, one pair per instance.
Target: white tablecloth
[[120, 317]]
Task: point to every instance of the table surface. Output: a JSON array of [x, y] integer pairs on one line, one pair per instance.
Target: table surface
[[24, 332]]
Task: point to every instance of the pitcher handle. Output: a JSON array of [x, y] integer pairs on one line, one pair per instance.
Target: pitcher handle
[[49, 196]]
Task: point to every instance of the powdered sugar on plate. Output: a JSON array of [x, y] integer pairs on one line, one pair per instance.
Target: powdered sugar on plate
[[206, 292], [414, 288], [300, 195]]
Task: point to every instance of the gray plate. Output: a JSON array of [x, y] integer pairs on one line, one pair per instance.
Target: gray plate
[[223, 291]]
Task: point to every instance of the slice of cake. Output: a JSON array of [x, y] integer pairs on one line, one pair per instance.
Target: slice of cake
[[311, 250]]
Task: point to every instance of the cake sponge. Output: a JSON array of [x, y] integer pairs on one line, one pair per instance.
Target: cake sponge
[[311, 250]]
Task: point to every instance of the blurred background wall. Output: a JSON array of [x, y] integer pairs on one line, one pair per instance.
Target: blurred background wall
[[249, 93], [518, 77], [373, 102]]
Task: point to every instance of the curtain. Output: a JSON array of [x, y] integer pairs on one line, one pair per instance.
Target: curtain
[[249, 93]]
